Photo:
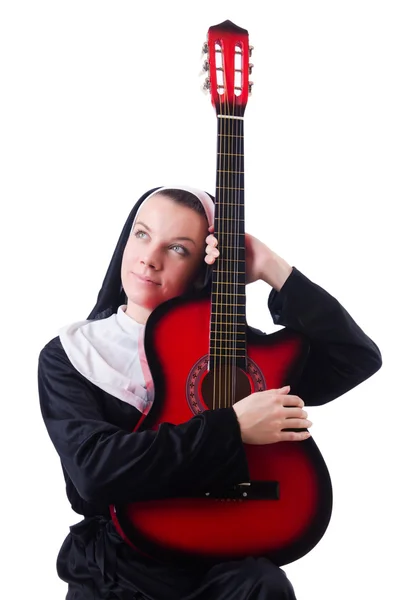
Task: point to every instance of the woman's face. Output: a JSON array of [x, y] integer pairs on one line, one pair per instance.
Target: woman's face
[[163, 254]]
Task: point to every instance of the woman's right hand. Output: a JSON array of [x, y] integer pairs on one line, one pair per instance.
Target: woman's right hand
[[263, 416]]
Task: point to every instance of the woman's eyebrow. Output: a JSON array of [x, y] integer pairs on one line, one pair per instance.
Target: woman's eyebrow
[[144, 224], [188, 239]]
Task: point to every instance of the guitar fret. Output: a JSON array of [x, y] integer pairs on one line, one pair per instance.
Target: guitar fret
[[217, 285], [231, 341], [219, 304], [231, 248], [228, 340], [228, 345], [224, 271], [229, 314], [224, 187], [227, 333], [229, 219], [230, 357], [233, 135], [230, 348], [229, 294], [233, 323], [237, 327], [239, 284], [229, 154], [229, 234], [242, 283]]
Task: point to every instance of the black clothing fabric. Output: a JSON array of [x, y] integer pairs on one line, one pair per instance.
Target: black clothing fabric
[[100, 565], [104, 463]]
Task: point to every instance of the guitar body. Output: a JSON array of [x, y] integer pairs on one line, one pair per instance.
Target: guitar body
[[228, 525]]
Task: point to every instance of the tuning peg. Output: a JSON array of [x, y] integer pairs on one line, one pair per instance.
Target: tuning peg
[[206, 66], [207, 85], [250, 50], [205, 48], [250, 67], [250, 84]]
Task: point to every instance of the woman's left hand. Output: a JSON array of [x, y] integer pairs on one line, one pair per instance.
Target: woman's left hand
[[260, 261]]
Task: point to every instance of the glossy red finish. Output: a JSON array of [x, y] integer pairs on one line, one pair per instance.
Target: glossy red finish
[[227, 37]]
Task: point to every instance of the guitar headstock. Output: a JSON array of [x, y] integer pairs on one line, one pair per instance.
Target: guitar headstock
[[228, 68]]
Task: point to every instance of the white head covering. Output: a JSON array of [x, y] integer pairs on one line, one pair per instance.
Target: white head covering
[[204, 198]]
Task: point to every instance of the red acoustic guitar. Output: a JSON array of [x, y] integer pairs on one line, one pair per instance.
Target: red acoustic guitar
[[284, 509]]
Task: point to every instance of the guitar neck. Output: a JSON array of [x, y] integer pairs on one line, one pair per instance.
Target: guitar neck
[[228, 299]]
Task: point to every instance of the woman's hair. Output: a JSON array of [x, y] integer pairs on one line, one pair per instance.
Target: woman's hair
[[185, 198]]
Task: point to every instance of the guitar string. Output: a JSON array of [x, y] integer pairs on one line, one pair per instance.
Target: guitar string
[[239, 240], [230, 211], [240, 219], [226, 241], [229, 194], [218, 270], [232, 247], [234, 240], [223, 367]]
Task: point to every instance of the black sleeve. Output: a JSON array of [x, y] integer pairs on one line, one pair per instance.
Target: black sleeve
[[341, 355], [118, 466]]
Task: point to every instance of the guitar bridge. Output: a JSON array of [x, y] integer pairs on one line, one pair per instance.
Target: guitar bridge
[[253, 490]]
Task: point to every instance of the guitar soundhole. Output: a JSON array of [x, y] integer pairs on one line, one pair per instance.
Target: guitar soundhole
[[225, 386], [222, 387]]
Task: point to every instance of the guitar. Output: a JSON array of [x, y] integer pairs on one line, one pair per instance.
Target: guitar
[[284, 509]]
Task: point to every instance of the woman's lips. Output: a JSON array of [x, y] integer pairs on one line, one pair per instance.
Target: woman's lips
[[145, 279]]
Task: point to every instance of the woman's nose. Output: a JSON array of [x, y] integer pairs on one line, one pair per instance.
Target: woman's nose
[[151, 258]]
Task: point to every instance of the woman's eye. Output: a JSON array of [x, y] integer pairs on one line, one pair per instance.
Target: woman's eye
[[180, 249], [139, 232]]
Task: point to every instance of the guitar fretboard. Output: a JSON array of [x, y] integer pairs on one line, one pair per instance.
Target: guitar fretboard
[[228, 299]]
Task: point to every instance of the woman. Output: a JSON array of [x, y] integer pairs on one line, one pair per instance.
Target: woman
[[95, 386]]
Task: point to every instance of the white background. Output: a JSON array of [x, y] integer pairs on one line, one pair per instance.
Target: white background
[[101, 101]]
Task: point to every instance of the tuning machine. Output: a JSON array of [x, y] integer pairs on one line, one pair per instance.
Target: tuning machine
[[206, 85], [250, 84], [206, 65], [250, 50]]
